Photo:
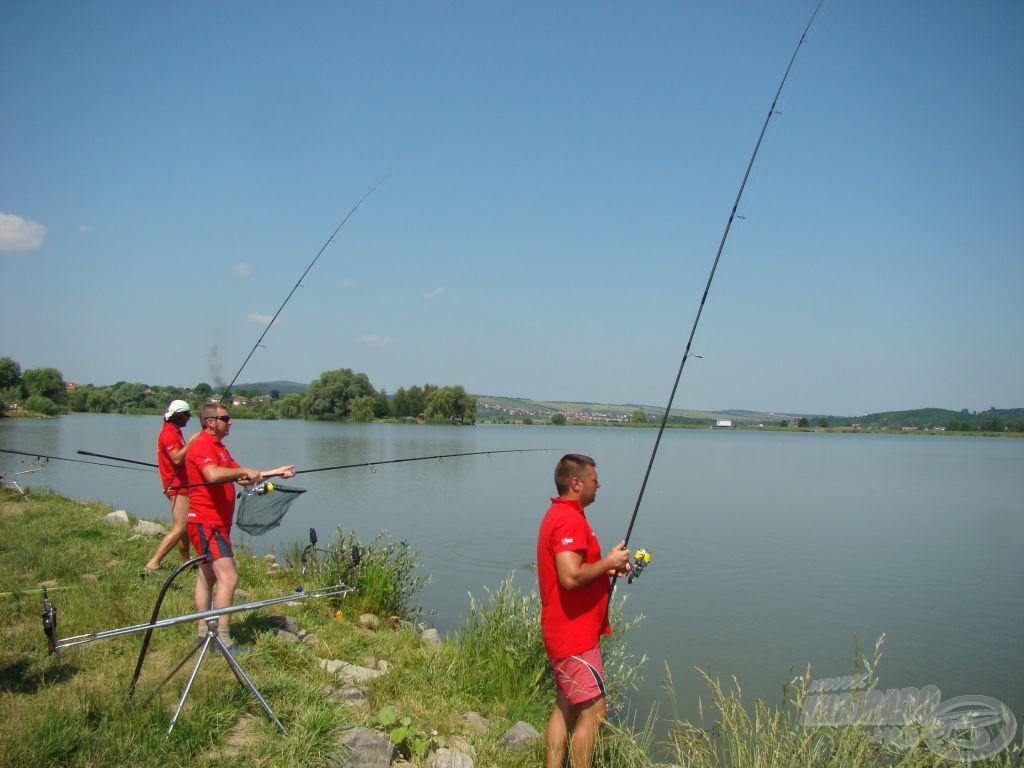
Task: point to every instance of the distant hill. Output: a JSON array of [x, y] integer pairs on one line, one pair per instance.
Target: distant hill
[[491, 407], [994, 419], [266, 387], [517, 408]]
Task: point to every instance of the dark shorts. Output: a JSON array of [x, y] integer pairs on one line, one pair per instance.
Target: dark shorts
[[210, 539], [580, 677]]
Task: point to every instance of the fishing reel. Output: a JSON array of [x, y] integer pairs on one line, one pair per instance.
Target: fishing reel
[[641, 559], [49, 622], [261, 488]]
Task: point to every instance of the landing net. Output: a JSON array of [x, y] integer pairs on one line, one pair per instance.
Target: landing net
[[257, 513]]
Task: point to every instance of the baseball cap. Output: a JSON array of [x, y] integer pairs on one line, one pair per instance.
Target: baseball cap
[[177, 406]]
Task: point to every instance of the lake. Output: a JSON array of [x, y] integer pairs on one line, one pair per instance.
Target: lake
[[771, 550]]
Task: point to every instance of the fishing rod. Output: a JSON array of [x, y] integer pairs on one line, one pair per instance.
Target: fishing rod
[[76, 461], [711, 275], [374, 464], [298, 283], [116, 458]]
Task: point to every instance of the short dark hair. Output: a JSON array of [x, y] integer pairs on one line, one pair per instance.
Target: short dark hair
[[210, 410], [569, 466]]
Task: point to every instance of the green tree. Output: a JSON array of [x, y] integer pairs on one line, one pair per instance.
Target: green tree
[[400, 403], [638, 417], [78, 398], [441, 405], [275, 394], [290, 406], [99, 401], [822, 422], [381, 405], [331, 393], [361, 408], [802, 422], [45, 382], [40, 404], [784, 423], [202, 392], [558, 418], [10, 373]]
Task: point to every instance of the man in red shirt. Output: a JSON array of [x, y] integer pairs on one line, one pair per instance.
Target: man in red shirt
[[574, 587], [212, 472], [170, 460]]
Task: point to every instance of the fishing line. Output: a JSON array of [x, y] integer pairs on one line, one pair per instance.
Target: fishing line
[[711, 275], [298, 283]]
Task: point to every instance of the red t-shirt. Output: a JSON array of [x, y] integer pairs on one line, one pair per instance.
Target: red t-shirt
[[209, 503], [170, 439], [571, 620]]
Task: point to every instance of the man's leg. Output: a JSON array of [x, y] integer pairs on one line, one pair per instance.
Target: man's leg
[[589, 716], [556, 737], [226, 576], [205, 580]]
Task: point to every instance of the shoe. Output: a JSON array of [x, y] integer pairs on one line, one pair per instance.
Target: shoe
[[235, 649]]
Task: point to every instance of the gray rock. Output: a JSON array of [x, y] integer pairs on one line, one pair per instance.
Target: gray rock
[[119, 517], [286, 636], [519, 736], [476, 721], [364, 749], [349, 673], [353, 694], [460, 744], [147, 528], [383, 666], [430, 637], [311, 639], [136, 537], [369, 621], [270, 558], [449, 758], [287, 623], [48, 584]]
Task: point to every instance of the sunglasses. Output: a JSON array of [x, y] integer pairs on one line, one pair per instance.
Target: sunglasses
[[225, 419]]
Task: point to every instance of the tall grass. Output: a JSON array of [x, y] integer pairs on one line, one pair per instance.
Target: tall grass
[[383, 573]]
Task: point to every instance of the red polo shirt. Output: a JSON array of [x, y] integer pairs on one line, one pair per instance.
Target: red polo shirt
[[170, 439], [209, 503], [571, 620]]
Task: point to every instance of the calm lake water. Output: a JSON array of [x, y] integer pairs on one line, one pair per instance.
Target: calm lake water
[[771, 550]]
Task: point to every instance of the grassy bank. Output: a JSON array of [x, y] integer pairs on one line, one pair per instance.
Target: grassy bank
[[71, 710]]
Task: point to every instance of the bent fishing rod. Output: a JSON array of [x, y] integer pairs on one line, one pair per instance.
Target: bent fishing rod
[[298, 283], [711, 276], [374, 464]]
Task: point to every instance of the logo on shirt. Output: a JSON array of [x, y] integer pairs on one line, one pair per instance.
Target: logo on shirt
[[567, 541]]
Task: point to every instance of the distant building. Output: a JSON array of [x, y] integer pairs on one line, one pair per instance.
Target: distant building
[[239, 400], [723, 424]]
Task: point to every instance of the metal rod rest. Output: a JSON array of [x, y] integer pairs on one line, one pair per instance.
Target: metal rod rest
[[337, 589]]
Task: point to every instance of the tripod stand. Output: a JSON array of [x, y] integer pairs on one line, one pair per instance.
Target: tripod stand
[[202, 646]]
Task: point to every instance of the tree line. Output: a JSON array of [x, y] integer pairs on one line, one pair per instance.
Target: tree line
[[338, 395]]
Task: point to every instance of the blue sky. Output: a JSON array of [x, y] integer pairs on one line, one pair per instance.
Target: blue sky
[[560, 175]]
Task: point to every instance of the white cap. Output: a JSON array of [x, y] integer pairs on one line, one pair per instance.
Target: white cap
[[176, 406]]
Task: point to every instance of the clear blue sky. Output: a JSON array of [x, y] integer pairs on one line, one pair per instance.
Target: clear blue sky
[[560, 177]]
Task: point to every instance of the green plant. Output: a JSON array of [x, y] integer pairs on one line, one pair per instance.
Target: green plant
[[411, 742], [382, 573]]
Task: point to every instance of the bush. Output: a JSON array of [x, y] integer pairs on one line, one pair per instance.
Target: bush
[[40, 404], [384, 579]]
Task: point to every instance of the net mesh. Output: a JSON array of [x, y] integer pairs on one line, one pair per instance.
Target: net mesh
[[257, 513]]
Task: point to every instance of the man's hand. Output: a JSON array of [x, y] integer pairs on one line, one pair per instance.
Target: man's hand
[[248, 476], [288, 470], [618, 559]]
